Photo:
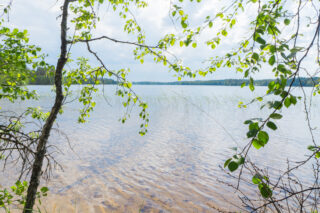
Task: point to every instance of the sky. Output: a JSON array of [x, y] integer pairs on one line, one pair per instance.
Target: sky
[[40, 18]]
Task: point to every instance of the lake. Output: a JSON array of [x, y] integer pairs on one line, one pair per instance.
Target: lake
[[109, 167]]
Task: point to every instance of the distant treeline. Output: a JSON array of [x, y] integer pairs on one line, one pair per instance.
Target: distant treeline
[[234, 82], [43, 77], [49, 80]]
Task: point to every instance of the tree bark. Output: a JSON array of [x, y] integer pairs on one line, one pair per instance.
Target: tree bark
[[45, 133]]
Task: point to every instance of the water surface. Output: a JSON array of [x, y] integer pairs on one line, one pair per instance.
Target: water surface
[[175, 167]]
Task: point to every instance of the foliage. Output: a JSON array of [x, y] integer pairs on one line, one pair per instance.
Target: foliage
[[276, 42], [15, 57], [267, 47], [17, 195], [45, 78], [306, 82]]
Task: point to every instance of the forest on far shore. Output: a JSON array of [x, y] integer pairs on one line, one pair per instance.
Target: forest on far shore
[[43, 77]]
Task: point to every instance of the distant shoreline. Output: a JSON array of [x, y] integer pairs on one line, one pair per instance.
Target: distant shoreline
[[307, 82]]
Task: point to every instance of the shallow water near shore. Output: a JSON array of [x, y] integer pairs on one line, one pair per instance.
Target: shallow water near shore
[[109, 167]]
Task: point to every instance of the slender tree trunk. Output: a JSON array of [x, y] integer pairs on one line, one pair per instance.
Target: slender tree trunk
[[45, 133]]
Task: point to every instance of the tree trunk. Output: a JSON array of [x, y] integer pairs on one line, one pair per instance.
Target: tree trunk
[[45, 133]]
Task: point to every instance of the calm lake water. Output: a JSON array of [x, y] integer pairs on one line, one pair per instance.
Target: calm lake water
[[175, 167]]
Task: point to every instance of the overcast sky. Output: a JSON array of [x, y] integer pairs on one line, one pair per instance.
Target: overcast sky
[[40, 18]]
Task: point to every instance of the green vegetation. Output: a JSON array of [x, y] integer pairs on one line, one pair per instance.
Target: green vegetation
[[43, 77], [283, 37], [308, 82]]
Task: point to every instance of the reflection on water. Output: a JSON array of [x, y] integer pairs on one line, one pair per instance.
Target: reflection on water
[[174, 168]]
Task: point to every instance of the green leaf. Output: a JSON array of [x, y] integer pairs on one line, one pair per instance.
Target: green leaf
[[263, 137], [257, 144], [253, 130], [275, 116], [220, 15], [227, 162], [256, 179], [272, 125], [240, 160], [251, 87], [224, 32], [255, 56], [293, 100], [312, 148], [252, 133], [248, 122], [287, 102], [44, 189], [276, 104], [254, 126], [184, 24], [286, 21], [233, 166], [261, 41], [265, 190], [272, 60]]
